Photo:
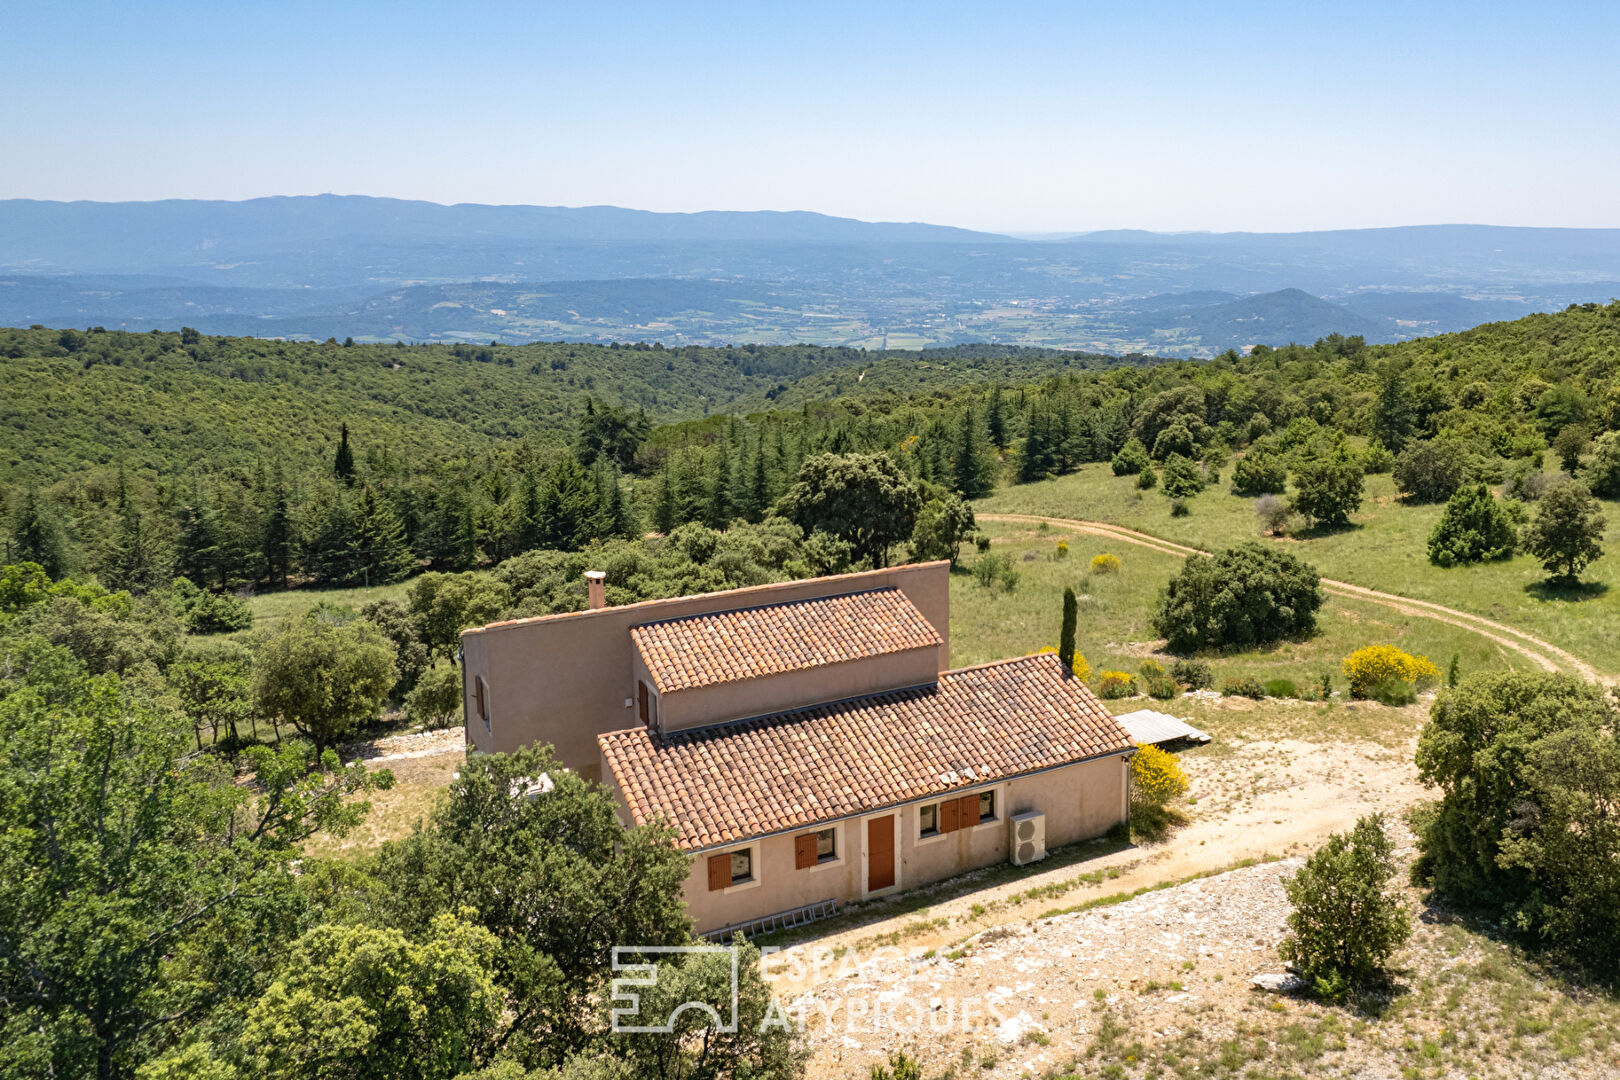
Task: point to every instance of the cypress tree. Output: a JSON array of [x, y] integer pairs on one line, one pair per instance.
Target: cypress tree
[[36, 537], [1071, 623], [343, 464]]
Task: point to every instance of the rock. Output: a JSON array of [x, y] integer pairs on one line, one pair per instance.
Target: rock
[[1273, 983]]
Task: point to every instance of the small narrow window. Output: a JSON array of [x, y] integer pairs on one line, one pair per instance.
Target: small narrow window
[[642, 697], [481, 699], [742, 866], [987, 805], [929, 818]]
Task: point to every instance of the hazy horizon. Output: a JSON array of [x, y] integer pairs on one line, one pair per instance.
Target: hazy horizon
[[1171, 117]]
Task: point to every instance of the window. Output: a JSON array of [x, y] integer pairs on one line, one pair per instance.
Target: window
[[959, 813], [732, 868], [815, 847], [642, 698], [481, 699]]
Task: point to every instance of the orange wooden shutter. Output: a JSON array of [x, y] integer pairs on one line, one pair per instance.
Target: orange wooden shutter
[[804, 850], [719, 872], [968, 812], [947, 816]]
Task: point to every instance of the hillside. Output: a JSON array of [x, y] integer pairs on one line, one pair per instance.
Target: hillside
[[389, 269]]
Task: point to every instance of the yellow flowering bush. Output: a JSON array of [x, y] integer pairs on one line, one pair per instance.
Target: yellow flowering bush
[[1063, 549], [1105, 564], [1081, 669], [1116, 684], [1373, 664], [1156, 776]]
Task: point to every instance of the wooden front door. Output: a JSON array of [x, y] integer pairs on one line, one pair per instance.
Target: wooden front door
[[879, 853]]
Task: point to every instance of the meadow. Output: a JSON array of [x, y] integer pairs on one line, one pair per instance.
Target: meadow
[[1116, 608], [1385, 548]]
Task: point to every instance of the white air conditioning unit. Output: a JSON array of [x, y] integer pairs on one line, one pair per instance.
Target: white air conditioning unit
[[1027, 842]]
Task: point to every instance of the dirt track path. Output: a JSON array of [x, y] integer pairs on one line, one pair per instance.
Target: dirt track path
[[1544, 653]]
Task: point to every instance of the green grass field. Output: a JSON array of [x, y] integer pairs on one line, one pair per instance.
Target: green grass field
[[1384, 549], [989, 623], [269, 609]]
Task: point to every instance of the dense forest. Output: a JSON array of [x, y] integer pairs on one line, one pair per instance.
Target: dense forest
[[246, 463]]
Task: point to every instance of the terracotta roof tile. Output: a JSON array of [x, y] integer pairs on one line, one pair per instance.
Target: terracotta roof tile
[[749, 643], [734, 781]]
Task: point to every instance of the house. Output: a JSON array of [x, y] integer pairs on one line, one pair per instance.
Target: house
[[804, 740]]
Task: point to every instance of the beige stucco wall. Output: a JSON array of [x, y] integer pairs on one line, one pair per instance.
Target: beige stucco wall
[[775, 693], [564, 679], [1080, 801]]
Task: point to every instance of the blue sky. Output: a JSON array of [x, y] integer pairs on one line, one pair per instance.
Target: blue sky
[[1028, 117]]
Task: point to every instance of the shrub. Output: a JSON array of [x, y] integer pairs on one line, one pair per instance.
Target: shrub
[[991, 570], [1193, 674], [436, 700], [1247, 595], [1131, 459], [1569, 444], [1182, 479], [1162, 687], [1243, 686], [1147, 480], [1105, 564], [1156, 777], [207, 612], [1081, 669], [1345, 923], [1566, 532], [1433, 470], [1281, 688], [1526, 482], [1375, 458], [1273, 514], [1378, 663], [1474, 528], [1602, 473], [1391, 692], [1150, 669], [982, 543], [1115, 684], [1259, 473], [1062, 551], [1324, 686], [1528, 766], [1327, 489]]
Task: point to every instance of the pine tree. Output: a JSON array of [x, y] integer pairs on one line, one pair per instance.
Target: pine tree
[[971, 479], [343, 464], [36, 537], [759, 484], [717, 515], [275, 536], [329, 529], [378, 552], [137, 559], [570, 510], [455, 531], [617, 516], [530, 512], [664, 509], [1035, 458], [995, 420], [197, 554]]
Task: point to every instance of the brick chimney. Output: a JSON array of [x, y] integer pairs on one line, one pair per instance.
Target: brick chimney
[[596, 587]]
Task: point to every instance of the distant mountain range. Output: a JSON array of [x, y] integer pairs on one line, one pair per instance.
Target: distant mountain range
[[392, 269]]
